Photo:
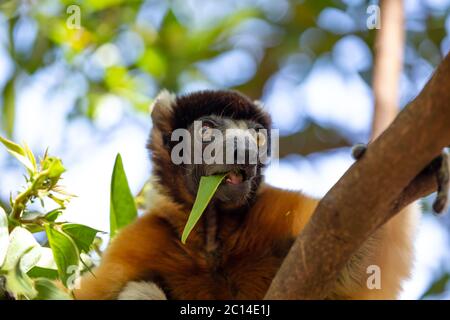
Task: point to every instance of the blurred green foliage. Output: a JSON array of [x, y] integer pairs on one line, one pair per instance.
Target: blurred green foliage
[[132, 48], [168, 53], [439, 286]]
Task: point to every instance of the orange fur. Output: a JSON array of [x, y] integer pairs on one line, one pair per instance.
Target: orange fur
[[252, 251], [249, 246]]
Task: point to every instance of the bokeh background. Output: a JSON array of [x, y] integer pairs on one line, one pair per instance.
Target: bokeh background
[[84, 92]]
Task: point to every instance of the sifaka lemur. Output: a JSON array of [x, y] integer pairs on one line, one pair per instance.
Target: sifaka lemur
[[246, 231]]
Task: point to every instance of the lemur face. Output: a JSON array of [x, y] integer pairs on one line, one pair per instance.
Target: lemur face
[[222, 132], [227, 146]]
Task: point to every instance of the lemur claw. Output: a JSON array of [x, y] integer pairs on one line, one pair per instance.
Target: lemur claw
[[442, 179]]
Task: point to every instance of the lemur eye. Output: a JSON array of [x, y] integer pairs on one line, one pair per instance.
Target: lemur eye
[[261, 139], [206, 132]]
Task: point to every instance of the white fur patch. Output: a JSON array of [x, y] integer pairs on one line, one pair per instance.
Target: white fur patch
[[236, 124], [259, 104], [141, 290], [164, 99]]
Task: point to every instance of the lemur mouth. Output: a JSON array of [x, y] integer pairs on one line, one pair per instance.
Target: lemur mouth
[[236, 175]]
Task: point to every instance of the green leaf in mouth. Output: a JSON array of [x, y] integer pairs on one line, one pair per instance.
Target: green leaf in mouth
[[206, 189]]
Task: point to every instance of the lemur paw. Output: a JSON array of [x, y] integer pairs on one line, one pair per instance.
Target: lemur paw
[[441, 168]]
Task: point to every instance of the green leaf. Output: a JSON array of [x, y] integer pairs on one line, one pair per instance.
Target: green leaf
[[24, 160], [29, 216], [103, 4], [65, 252], [122, 207], [21, 154], [12, 146], [30, 156], [4, 236], [47, 290], [54, 166], [53, 215], [9, 8], [46, 266], [17, 262], [82, 235], [19, 283], [33, 227], [153, 62], [207, 188], [38, 257], [8, 108], [47, 260], [437, 287], [30, 259], [38, 272]]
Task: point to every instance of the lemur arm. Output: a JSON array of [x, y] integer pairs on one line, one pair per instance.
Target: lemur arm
[[129, 257]]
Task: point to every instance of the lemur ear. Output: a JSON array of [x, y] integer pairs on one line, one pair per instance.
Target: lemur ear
[[259, 104], [265, 118], [161, 110]]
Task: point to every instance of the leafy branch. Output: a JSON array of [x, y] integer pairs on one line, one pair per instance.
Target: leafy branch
[[26, 267]]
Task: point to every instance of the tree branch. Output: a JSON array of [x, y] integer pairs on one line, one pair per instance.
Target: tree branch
[[364, 198], [313, 138]]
